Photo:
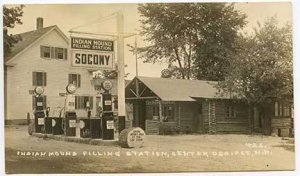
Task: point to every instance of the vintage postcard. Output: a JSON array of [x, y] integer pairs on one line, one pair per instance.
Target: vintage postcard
[[148, 87]]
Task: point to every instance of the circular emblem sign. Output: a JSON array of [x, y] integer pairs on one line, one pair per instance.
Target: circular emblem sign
[[53, 123], [39, 90], [71, 88], [106, 85], [81, 124]]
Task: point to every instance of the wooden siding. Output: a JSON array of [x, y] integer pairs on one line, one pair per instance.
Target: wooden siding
[[19, 79], [215, 120], [232, 127], [281, 123], [189, 116], [152, 127]]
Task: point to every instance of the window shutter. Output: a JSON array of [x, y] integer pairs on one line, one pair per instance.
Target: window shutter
[[78, 80], [52, 52], [91, 102], [76, 102], [70, 79], [65, 53], [42, 51], [34, 82], [44, 79]]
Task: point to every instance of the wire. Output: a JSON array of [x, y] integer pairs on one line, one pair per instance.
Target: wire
[[100, 20]]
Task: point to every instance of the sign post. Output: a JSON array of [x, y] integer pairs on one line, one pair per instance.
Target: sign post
[[121, 72]]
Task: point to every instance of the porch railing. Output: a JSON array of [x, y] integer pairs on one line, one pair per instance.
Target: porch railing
[[152, 126]]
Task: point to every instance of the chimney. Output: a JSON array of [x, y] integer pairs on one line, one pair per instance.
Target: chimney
[[39, 23]]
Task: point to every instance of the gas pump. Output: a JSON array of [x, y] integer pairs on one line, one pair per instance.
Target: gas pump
[[70, 114], [39, 110], [107, 114]]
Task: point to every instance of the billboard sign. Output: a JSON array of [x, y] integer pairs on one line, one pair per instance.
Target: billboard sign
[[92, 53]]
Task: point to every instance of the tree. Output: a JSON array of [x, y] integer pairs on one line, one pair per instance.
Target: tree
[[262, 68], [11, 17], [218, 44], [175, 31]]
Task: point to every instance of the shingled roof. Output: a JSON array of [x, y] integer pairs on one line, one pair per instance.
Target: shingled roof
[[26, 39], [180, 89]]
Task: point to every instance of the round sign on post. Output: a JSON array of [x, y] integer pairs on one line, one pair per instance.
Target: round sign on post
[[39, 90], [107, 85], [71, 88]]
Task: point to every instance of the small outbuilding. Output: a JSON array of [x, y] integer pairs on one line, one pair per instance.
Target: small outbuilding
[[188, 105]]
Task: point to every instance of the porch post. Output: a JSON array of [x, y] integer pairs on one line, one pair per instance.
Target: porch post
[[160, 110], [136, 113]]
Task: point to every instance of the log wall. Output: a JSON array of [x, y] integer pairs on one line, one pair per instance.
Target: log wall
[[189, 116], [152, 127], [215, 120]]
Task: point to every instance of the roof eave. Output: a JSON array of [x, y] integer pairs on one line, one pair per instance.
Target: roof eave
[[9, 62]]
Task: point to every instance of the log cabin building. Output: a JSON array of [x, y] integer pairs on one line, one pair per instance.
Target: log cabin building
[[196, 106]]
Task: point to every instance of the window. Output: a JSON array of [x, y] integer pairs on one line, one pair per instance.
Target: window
[[115, 102], [75, 79], [53, 52], [230, 112], [59, 53], [155, 112], [82, 101], [45, 51], [282, 109], [168, 111], [39, 78]]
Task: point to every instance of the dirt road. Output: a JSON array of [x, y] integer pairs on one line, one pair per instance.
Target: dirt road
[[27, 154]]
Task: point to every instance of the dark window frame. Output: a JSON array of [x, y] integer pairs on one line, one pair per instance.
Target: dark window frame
[[59, 53], [282, 109], [81, 101], [77, 78], [230, 112], [39, 78]]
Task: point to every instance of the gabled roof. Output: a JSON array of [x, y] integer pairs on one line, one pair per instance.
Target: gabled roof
[[27, 39], [180, 89]]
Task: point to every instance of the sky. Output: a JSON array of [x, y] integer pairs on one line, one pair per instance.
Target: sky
[[89, 18]]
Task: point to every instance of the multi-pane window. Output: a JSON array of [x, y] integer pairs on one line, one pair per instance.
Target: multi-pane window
[[230, 112], [75, 79], [39, 78], [53, 52], [155, 110], [82, 102], [115, 102], [45, 51], [282, 109], [59, 53], [168, 111]]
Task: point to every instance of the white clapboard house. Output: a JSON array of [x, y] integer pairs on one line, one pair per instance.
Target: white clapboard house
[[41, 58]]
